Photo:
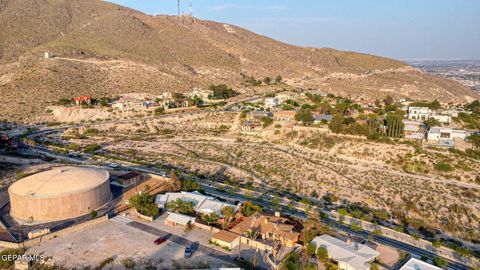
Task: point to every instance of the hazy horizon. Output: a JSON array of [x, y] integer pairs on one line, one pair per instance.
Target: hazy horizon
[[407, 30]]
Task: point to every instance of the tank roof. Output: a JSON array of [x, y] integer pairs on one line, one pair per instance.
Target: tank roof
[[59, 181]]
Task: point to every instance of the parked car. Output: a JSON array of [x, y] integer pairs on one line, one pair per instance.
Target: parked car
[[188, 251], [160, 240]]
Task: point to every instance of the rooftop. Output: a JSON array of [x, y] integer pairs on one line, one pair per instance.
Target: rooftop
[[225, 236], [354, 254], [267, 224], [416, 264]]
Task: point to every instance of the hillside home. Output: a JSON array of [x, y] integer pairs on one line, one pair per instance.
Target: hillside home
[[424, 113], [126, 103], [445, 136], [284, 96], [284, 116], [202, 204], [349, 255], [419, 113], [270, 228], [82, 100], [271, 102]]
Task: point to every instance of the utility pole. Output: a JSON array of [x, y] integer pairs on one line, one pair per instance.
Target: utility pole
[[190, 8], [178, 7]]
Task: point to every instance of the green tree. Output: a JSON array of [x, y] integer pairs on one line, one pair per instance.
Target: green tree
[[181, 206], [311, 249], [322, 254], [104, 101], [144, 204], [440, 262], [431, 122], [190, 185], [267, 121], [278, 79], [222, 91], [388, 100], [304, 116], [437, 243], [475, 140], [228, 212], [248, 208], [210, 218], [91, 148], [160, 110], [267, 80]]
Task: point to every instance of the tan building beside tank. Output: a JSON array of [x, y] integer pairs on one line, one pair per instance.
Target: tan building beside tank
[[59, 194]]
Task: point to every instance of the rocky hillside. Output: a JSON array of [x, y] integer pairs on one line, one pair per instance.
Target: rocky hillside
[[104, 49]]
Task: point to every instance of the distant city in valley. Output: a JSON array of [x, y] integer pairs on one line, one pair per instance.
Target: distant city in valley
[[466, 72]]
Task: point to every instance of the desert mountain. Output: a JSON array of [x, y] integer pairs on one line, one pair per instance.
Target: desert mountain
[[101, 48]]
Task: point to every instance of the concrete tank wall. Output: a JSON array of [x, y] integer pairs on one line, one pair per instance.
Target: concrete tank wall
[[47, 209]]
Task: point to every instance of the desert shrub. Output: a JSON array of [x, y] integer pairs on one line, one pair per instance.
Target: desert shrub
[[443, 167]]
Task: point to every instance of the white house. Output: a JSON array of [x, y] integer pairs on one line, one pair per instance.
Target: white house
[[128, 102], [202, 204], [416, 264], [442, 118], [349, 255], [271, 102], [439, 133], [423, 113], [445, 136], [419, 113]]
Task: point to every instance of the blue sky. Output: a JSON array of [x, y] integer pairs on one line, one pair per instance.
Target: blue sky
[[402, 29]]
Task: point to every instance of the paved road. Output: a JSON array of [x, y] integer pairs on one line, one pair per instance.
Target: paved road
[[184, 242]]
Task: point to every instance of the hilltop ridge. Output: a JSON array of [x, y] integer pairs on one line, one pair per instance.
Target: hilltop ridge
[[100, 48]]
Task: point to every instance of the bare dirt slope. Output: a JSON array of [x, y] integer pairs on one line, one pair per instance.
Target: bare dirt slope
[[106, 49]]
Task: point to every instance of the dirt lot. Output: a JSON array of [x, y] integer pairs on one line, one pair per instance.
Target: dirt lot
[[119, 241]]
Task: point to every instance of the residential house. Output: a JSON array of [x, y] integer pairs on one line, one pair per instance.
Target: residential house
[[446, 136], [271, 102], [270, 228], [414, 130], [424, 113], [82, 100], [175, 219], [419, 113], [284, 96], [284, 116], [126, 103], [349, 255], [416, 264], [202, 204]]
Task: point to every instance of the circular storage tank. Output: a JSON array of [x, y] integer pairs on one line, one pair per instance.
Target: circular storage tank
[[59, 194]]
